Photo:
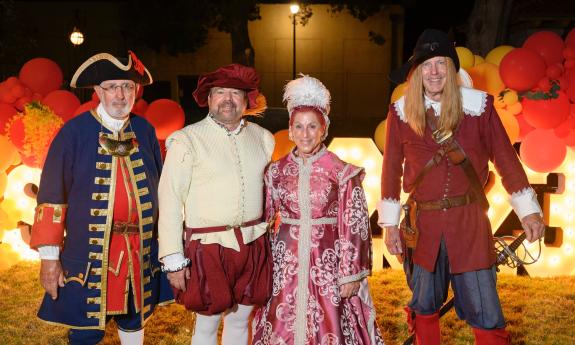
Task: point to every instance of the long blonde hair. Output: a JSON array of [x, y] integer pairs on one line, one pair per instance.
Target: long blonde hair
[[451, 104]]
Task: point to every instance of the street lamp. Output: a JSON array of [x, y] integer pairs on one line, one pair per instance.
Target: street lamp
[[294, 9], [76, 37]]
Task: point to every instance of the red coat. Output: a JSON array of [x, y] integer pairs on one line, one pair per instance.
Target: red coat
[[466, 229]]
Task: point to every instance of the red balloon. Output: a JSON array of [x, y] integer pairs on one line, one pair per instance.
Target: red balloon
[[546, 113], [21, 102], [547, 44], [521, 69], [140, 107], [17, 90], [7, 97], [86, 107], [569, 140], [524, 127], [569, 52], [6, 112], [570, 39], [41, 75], [563, 130], [163, 149], [542, 151], [554, 71], [16, 133], [63, 103], [571, 92], [166, 116], [12, 81]]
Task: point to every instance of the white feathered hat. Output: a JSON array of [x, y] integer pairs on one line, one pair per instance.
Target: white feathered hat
[[307, 91]]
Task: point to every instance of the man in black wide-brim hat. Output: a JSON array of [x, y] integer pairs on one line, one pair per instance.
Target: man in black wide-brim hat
[[440, 139], [97, 208]]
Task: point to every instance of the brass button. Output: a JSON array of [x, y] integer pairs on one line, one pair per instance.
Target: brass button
[[57, 213], [96, 212], [90, 302], [93, 228], [81, 275], [92, 287], [102, 165], [98, 197], [92, 271], [93, 256], [94, 241], [101, 181]]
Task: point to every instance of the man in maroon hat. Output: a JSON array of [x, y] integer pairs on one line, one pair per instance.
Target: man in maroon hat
[[440, 139], [95, 223], [213, 172]]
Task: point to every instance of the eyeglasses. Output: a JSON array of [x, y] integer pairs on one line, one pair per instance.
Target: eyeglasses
[[126, 88]]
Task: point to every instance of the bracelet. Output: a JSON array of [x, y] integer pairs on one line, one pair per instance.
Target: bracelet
[[183, 265]]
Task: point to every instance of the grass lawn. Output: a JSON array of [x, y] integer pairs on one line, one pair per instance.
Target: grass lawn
[[538, 311]]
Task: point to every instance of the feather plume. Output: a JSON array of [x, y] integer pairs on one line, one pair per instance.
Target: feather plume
[[307, 91]]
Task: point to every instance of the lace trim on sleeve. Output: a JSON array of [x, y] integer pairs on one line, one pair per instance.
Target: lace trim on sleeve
[[524, 202]]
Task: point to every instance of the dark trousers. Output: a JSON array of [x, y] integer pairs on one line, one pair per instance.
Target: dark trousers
[[129, 322], [476, 299]]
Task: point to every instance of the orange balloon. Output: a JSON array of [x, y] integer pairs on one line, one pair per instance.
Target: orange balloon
[[510, 124], [486, 77], [283, 144]]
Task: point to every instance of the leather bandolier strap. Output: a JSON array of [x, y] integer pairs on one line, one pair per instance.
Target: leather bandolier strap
[[451, 148]]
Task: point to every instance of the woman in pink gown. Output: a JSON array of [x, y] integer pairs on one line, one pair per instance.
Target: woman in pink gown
[[322, 247]]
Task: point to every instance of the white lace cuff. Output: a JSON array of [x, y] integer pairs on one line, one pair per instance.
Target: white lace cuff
[[524, 202], [388, 211], [174, 262], [49, 252]]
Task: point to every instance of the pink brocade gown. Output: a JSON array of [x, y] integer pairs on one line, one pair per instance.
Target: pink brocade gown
[[323, 241]]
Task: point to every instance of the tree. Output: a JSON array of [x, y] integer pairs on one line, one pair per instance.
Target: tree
[[181, 26]]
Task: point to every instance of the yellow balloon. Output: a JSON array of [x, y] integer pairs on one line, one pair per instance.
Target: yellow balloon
[[510, 97], [478, 60], [3, 179], [283, 144], [497, 53], [10, 208], [379, 135], [466, 57], [398, 91]]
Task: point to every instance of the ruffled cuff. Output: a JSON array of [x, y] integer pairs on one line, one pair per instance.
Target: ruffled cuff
[[524, 202], [174, 262], [388, 211], [49, 252]]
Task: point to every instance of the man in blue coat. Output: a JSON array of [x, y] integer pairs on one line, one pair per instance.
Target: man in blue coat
[[95, 223]]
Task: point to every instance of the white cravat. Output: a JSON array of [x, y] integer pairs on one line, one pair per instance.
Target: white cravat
[[434, 104], [109, 121]]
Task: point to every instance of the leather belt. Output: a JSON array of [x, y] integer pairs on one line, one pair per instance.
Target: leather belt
[[446, 203], [125, 228], [210, 229]]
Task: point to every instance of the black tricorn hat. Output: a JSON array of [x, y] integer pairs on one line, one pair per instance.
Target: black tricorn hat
[[431, 43], [104, 66]]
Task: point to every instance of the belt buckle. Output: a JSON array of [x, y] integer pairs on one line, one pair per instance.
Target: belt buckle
[[440, 136], [445, 203]]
